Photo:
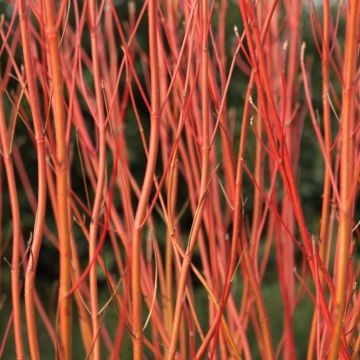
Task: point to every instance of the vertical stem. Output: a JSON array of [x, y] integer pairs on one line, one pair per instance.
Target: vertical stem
[[148, 178], [259, 177], [41, 207], [95, 216], [16, 224], [61, 166], [84, 319], [346, 172], [291, 136], [325, 211], [204, 179]]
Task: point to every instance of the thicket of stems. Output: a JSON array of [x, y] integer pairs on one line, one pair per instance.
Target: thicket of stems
[[162, 155]]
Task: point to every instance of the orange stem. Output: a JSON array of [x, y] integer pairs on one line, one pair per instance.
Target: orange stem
[[147, 184], [16, 225], [41, 203], [346, 172]]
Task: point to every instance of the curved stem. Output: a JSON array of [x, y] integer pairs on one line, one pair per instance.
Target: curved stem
[[147, 184]]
